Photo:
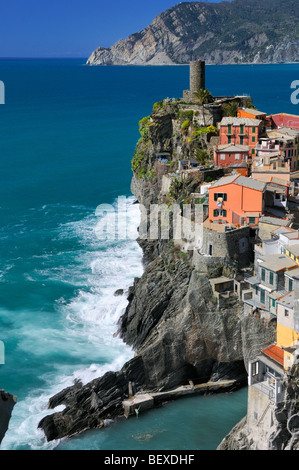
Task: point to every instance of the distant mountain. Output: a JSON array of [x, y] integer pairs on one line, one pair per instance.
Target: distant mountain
[[240, 31]]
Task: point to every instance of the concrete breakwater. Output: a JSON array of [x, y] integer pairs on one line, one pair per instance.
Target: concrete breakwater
[[140, 402]]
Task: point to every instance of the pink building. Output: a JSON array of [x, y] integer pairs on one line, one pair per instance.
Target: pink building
[[228, 154], [240, 131]]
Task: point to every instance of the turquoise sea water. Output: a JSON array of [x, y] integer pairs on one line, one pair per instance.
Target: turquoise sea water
[[67, 136]]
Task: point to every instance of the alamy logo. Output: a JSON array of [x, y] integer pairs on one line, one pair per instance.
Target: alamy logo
[[2, 353], [295, 94], [2, 92], [159, 221]]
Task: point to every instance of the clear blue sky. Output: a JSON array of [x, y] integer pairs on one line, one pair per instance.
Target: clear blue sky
[[71, 28]]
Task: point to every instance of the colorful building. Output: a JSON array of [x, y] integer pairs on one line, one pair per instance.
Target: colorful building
[[251, 113], [228, 154], [288, 325], [284, 120], [266, 372], [269, 283], [236, 200], [288, 141], [240, 131]]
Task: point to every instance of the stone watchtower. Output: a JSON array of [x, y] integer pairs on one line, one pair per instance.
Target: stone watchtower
[[197, 78], [197, 75]]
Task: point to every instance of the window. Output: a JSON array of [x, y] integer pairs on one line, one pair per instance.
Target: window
[[222, 156], [255, 368], [229, 129], [241, 140], [241, 129], [253, 138], [286, 312], [290, 284], [273, 302], [222, 195], [271, 278], [229, 139], [252, 151], [237, 156], [219, 213], [263, 274], [263, 296], [253, 130], [251, 220]]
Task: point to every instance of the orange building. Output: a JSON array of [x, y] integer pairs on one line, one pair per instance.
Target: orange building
[[251, 113], [236, 200], [240, 131]]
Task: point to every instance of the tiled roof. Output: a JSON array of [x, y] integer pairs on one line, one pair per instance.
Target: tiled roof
[[233, 148], [241, 180], [253, 111], [274, 352], [225, 180], [238, 165], [237, 121], [287, 300], [250, 183], [284, 132], [277, 262]]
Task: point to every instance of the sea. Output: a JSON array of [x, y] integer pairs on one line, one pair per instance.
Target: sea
[[67, 137]]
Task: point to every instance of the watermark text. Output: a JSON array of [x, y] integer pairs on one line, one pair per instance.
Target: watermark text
[[295, 94]]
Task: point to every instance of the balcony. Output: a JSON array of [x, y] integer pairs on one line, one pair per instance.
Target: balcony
[[270, 386], [271, 148], [253, 302], [252, 279]]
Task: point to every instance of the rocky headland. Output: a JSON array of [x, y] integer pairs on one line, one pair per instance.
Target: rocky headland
[[179, 331], [219, 33]]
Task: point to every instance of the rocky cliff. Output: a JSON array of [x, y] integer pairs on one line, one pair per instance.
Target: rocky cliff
[[173, 319], [7, 403], [219, 33]]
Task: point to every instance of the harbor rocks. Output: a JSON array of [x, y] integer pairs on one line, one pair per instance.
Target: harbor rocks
[[7, 403], [178, 334]]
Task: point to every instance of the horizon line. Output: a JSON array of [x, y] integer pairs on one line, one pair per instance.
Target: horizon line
[[42, 58]]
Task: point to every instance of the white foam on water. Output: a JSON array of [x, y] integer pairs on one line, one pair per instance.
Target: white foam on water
[[88, 325]]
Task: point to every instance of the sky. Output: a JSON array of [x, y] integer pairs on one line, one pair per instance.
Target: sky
[[71, 28]]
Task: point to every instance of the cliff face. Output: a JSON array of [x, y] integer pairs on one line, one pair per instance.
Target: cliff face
[[7, 403], [219, 33], [173, 321]]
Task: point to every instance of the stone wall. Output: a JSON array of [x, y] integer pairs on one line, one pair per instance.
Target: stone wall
[[233, 245], [188, 234], [259, 417]]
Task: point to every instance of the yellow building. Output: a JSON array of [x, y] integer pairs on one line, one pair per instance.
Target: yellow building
[[288, 325]]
